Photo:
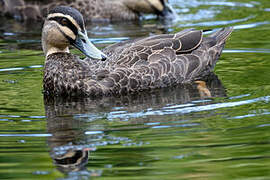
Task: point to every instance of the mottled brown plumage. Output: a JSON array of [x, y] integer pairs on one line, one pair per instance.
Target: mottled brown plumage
[[136, 65], [92, 10]]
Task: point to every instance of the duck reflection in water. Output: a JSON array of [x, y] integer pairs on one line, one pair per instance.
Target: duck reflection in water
[[69, 147], [70, 144]]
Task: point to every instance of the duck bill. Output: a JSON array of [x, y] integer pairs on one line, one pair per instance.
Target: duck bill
[[86, 47], [168, 12]]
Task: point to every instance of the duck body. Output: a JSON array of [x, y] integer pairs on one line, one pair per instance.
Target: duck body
[[92, 10], [135, 65]]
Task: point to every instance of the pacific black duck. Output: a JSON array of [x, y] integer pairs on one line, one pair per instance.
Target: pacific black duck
[[130, 66], [92, 10]]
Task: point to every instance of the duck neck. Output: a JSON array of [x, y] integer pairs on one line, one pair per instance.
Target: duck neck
[[50, 50]]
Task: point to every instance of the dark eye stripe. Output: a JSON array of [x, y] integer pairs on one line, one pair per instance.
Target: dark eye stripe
[[69, 24], [70, 160]]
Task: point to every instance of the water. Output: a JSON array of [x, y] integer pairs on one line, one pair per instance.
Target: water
[[171, 133]]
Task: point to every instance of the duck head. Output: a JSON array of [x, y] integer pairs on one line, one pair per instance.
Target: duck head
[[64, 26], [160, 7]]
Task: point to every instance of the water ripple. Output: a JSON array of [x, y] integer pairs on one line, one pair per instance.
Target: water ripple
[[251, 25], [93, 132], [195, 3], [190, 108], [240, 96], [250, 50], [250, 115], [108, 40], [217, 23], [181, 125], [21, 68], [17, 116], [25, 135]]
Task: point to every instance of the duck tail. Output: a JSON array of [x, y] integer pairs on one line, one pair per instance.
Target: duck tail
[[215, 44], [222, 35]]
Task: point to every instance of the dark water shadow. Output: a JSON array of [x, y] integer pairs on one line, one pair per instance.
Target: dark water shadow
[[71, 140]]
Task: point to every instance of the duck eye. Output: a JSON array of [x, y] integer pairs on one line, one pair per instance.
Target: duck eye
[[64, 21]]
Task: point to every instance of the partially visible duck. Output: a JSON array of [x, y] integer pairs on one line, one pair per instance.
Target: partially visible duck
[[92, 10], [126, 67]]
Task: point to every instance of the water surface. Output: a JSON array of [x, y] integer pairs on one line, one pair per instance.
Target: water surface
[[222, 132]]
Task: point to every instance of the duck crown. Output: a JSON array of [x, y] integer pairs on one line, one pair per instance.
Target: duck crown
[[65, 11]]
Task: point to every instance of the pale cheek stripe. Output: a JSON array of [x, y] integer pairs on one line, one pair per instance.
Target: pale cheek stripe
[[156, 5], [67, 32], [66, 16]]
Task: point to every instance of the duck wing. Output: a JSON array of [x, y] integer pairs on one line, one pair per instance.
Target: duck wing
[[183, 41], [162, 60]]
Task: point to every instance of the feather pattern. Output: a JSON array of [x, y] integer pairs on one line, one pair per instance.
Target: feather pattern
[[136, 65], [92, 10]]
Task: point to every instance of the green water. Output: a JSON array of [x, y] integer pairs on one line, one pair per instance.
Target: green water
[[172, 133]]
